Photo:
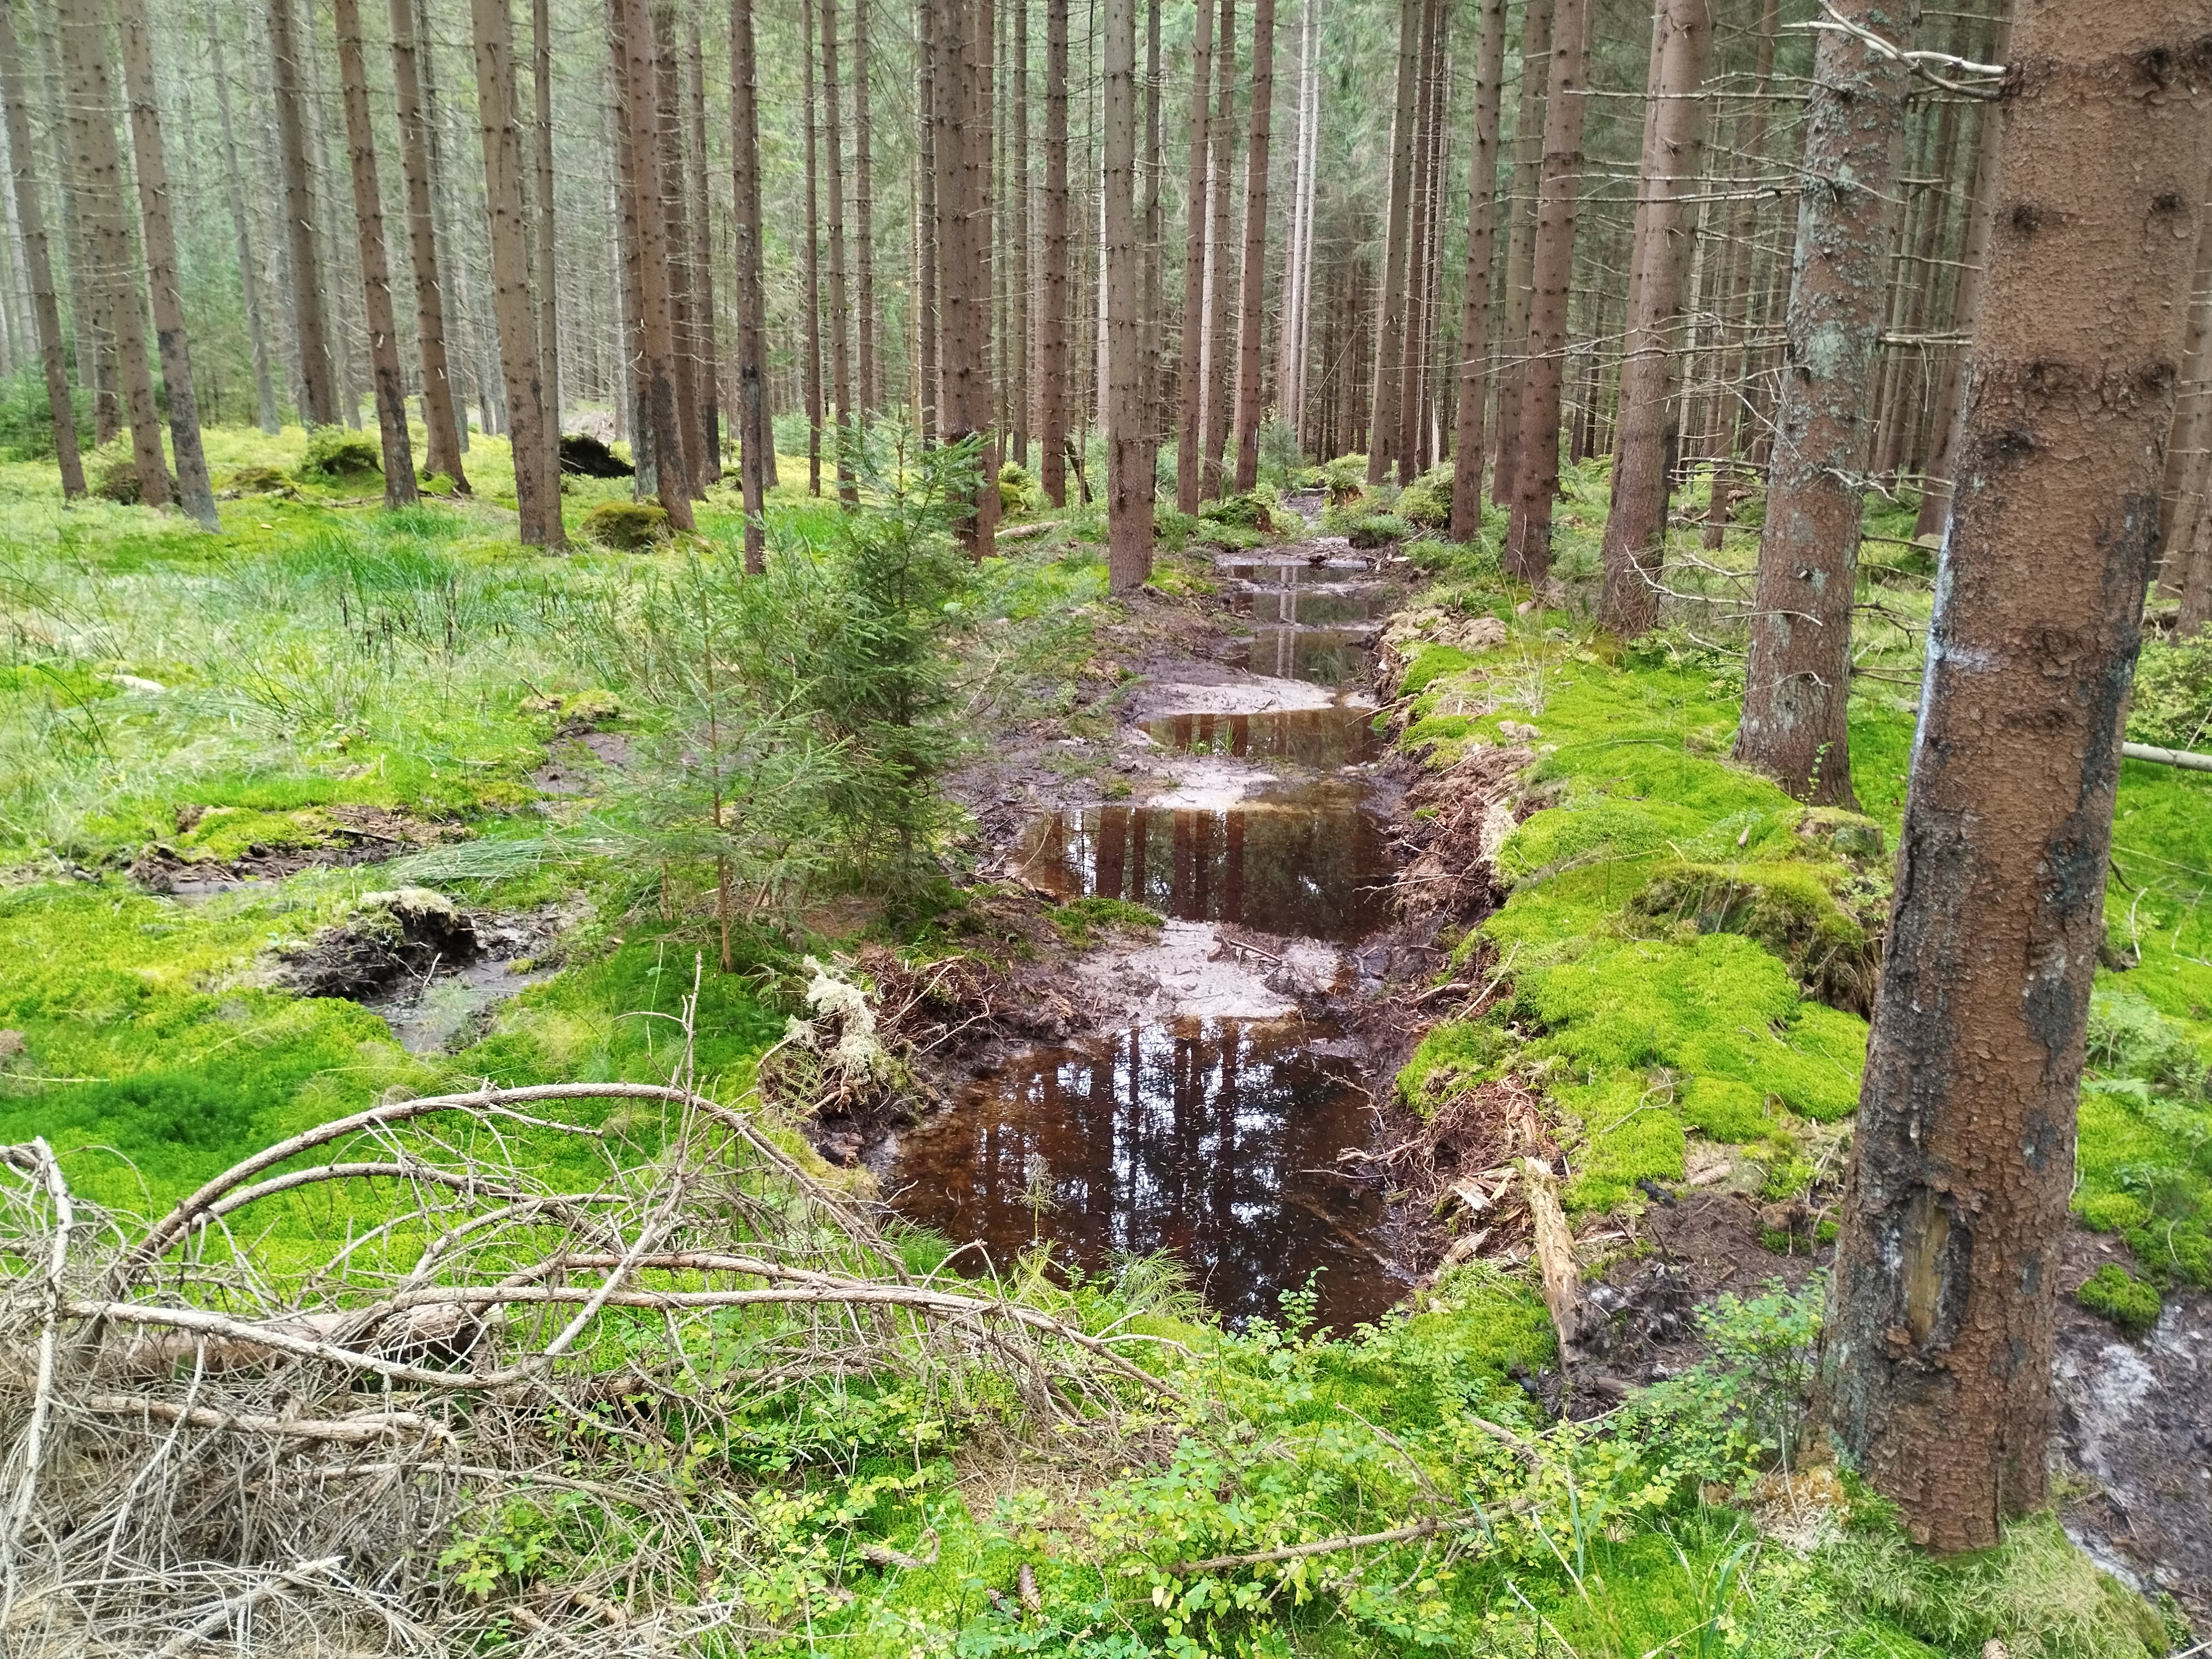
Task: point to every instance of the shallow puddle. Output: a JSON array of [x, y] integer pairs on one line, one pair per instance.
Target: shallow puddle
[[1326, 738], [1317, 606], [1309, 861], [1326, 656], [1216, 1140]]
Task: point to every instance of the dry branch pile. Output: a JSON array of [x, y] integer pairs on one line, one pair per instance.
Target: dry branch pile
[[219, 1430]]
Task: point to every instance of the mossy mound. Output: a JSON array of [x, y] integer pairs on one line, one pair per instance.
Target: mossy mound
[[1369, 531], [625, 527], [335, 455], [118, 482], [2120, 1297], [258, 481], [1249, 511], [1789, 907]]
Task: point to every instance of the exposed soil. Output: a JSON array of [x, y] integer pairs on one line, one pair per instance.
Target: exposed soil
[[355, 836]]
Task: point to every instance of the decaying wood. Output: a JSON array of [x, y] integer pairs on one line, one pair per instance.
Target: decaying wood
[[1555, 1258]]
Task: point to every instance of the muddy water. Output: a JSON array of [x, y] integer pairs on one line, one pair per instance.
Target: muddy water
[[1307, 861], [1325, 738], [1327, 656], [1215, 1139]]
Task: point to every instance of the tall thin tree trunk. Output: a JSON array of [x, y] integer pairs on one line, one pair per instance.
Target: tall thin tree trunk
[[1128, 447], [1636, 530], [310, 326], [390, 389], [707, 467], [868, 392], [249, 278], [1736, 356], [634, 385], [1289, 337], [753, 436], [676, 225], [1390, 316], [537, 487], [1520, 240], [100, 176], [928, 337], [840, 345], [1252, 325], [1936, 1366], [810, 302], [31, 219], [1536, 465], [1411, 360], [1052, 323], [1474, 294], [439, 425], [656, 318], [1797, 682], [1023, 344], [440, 196], [334, 213], [1188, 392], [1152, 322], [549, 238], [1215, 431], [963, 236]]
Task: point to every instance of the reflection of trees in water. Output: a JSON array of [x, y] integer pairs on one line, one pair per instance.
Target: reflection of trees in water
[[1326, 656], [1217, 1141], [1310, 737], [1317, 872]]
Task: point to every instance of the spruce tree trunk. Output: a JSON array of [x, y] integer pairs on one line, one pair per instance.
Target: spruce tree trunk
[[706, 466], [310, 327], [982, 81], [1128, 448], [1390, 317], [537, 487], [1252, 322], [929, 376], [1935, 1365], [868, 392], [656, 310], [841, 351], [753, 436], [1214, 428], [390, 389], [1475, 296], [548, 240], [1188, 392], [1520, 240], [1023, 345], [1797, 682], [675, 227], [249, 278], [963, 150], [810, 301], [440, 184], [99, 177], [1413, 372], [2187, 459], [1290, 344], [440, 430], [1536, 466], [1636, 530], [1736, 352], [1151, 321], [1052, 322], [630, 237], [31, 217]]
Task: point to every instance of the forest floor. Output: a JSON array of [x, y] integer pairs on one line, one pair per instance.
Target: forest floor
[[1494, 874]]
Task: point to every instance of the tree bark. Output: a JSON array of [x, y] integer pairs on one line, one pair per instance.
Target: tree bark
[[928, 324], [1052, 322], [334, 211], [440, 430], [1536, 468], [1022, 345], [390, 391], [868, 391], [1733, 359], [1128, 448], [1474, 297], [1298, 273], [1413, 372], [657, 322], [1636, 530], [549, 240], [1520, 240], [1798, 680], [537, 487], [1214, 427], [52, 361], [1936, 1367], [962, 240], [1151, 321], [690, 371], [634, 389], [1390, 317], [810, 302], [1188, 391], [310, 327], [99, 177], [1252, 323], [2188, 459], [753, 435], [841, 353], [249, 279]]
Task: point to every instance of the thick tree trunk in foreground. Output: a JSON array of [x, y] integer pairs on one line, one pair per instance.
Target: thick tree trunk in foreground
[[1188, 391], [1390, 343], [1536, 466], [753, 436], [1798, 681], [99, 178], [1636, 530], [1520, 240], [1129, 446], [311, 328], [1475, 296], [1052, 321], [536, 488], [31, 219], [390, 391], [440, 429], [657, 321], [1252, 320], [194, 493], [1935, 1368]]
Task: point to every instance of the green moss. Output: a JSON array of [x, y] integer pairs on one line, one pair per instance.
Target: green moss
[[1082, 921], [2122, 1297], [626, 527], [1789, 907], [1429, 663], [1723, 1109], [335, 455], [1453, 1054]]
